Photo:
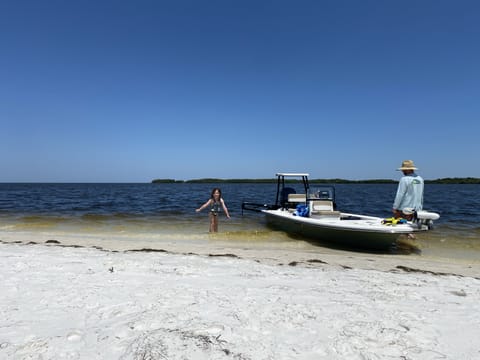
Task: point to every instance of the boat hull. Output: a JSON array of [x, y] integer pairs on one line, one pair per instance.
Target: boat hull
[[365, 233]]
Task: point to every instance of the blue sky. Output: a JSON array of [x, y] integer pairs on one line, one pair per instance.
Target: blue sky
[[129, 91]]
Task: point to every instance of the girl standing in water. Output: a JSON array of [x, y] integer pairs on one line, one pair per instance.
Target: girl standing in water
[[216, 203]]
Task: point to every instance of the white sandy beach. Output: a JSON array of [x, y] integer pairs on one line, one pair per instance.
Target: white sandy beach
[[82, 303]]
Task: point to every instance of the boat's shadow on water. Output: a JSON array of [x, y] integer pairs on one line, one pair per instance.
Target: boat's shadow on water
[[403, 246]]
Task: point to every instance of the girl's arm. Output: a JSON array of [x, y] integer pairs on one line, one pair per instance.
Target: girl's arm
[[225, 208], [203, 206]]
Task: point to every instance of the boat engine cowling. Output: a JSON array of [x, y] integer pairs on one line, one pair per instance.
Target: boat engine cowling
[[423, 217], [427, 215]]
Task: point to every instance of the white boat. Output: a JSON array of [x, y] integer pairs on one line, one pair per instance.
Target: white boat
[[312, 214]]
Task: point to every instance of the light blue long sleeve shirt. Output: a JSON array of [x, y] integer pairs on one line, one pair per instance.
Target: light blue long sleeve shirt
[[409, 193]]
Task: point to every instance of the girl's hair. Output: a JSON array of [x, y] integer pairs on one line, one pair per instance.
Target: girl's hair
[[215, 189]]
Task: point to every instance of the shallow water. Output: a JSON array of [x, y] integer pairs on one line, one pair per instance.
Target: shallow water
[[160, 213]]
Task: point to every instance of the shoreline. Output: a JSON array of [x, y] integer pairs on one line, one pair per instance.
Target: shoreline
[[320, 257]]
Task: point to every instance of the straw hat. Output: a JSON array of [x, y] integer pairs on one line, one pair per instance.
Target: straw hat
[[407, 165]]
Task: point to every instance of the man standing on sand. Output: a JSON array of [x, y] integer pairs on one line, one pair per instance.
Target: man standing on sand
[[409, 193]]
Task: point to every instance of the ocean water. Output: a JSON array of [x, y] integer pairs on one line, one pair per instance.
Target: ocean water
[[166, 213]]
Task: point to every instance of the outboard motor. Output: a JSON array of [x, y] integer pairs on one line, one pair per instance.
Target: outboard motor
[[422, 217]]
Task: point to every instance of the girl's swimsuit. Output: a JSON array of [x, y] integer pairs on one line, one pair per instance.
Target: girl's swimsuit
[[215, 209]]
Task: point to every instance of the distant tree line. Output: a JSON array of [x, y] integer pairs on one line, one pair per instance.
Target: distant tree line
[[467, 180], [166, 181]]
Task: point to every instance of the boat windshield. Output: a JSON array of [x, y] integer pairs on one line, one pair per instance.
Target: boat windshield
[[322, 193]]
